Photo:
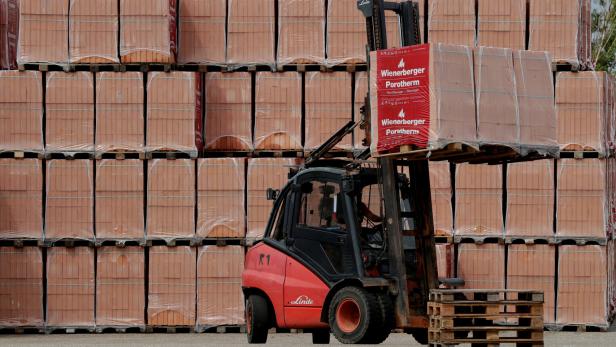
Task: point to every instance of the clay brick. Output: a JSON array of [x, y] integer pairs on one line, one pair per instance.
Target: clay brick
[[202, 31], [43, 31], [301, 31], [451, 22], [251, 32], [21, 187], [476, 271], [502, 23], [21, 275], [93, 31]]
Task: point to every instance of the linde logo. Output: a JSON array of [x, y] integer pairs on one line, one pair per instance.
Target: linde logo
[[302, 300]]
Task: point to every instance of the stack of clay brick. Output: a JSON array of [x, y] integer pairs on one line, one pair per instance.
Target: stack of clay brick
[[245, 32]]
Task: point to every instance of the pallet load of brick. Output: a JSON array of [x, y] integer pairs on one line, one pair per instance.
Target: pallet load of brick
[[202, 32], [301, 32], [328, 107], [452, 22], [476, 271], [441, 190], [148, 32], [174, 120], [561, 27], [43, 32], [9, 27], [120, 288], [21, 111], [251, 32], [93, 31], [171, 286], [220, 198], [120, 112], [21, 216], [278, 111], [501, 23], [228, 111], [220, 301]]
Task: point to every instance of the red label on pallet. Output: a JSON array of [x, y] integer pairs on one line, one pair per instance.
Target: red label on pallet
[[403, 96]]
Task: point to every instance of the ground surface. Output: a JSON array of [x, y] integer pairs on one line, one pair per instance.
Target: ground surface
[[294, 340]]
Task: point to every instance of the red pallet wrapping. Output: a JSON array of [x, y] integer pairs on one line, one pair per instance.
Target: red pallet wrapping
[[21, 199], [69, 204], [228, 111], [21, 111], [69, 112], [120, 286], [21, 275], [437, 109], [328, 107], [172, 286], [220, 197], [501, 23], [220, 300], [301, 31], [582, 199], [251, 32], [120, 112], [148, 32], [202, 31], [174, 119], [474, 267], [70, 287], [530, 199], [479, 198], [43, 31], [93, 31], [119, 199], [451, 22], [278, 111], [170, 199]]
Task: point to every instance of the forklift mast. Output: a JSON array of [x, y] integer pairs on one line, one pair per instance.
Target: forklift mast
[[413, 293]]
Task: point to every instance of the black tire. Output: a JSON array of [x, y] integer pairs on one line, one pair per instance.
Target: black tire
[[420, 335], [257, 319], [382, 331], [354, 315], [320, 337]]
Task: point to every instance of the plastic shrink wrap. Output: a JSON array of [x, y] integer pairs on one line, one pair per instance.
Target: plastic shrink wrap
[[328, 104], [451, 22], [220, 300], [278, 111], [170, 199], [9, 29], [21, 275], [474, 267], [532, 267], [228, 111], [582, 111], [119, 199], [301, 31], [120, 112], [444, 260], [451, 96], [251, 32], [479, 200], [174, 119], [21, 111], [501, 23], [440, 189], [93, 31], [70, 287], [172, 286], [202, 30], [21, 199], [148, 32], [120, 286], [264, 173], [69, 114], [497, 102], [561, 27], [583, 282], [69, 199], [582, 198], [530, 199], [535, 91], [43, 31], [359, 100], [220, 197]]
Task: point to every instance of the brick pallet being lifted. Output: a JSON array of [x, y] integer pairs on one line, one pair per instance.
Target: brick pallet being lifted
[[486, 317]]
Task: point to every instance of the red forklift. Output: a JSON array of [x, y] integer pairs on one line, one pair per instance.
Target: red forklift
[[329, 263]]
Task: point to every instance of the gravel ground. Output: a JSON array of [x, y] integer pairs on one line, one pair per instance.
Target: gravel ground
[[295, 340]]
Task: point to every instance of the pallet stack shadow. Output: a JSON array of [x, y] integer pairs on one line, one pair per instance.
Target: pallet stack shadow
[[128, 190]]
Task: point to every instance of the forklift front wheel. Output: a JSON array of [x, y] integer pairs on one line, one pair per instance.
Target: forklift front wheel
[[257, 317], [353, 315]]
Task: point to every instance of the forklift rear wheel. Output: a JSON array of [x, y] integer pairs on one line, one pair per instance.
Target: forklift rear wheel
[[353, 315], [257, 319], [320, 337]]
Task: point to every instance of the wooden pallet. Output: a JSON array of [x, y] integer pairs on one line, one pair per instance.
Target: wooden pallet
[[120, 155], [529, 240], [580, 241], [119, 329], [580, 154], [221, 329], [221, 242], [577, 327], [19, 242], [478, 239], [120, 243], [68, 242], [171, 154], [164, 329], [173, 242], [21, 330], [69, 329], [22, 155], [68, 155]]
